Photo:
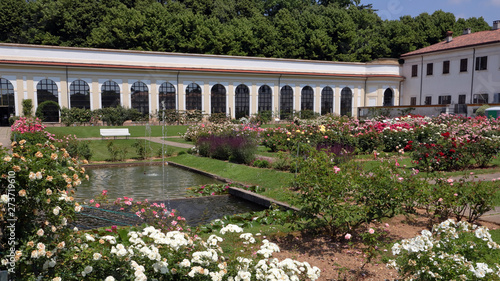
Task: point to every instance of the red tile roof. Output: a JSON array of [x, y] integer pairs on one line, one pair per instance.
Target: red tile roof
[[467, 40]]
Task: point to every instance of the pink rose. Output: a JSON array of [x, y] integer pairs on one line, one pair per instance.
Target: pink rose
[[347, 236], [371, 231]]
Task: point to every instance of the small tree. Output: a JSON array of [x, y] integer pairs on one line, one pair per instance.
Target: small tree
[[27, 107], [481, 111]]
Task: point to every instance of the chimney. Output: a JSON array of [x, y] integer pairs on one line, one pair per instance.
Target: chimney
[[467, 31], [449, 36], [496, 24]]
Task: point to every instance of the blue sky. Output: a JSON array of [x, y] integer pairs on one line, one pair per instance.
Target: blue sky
[[393, 9]]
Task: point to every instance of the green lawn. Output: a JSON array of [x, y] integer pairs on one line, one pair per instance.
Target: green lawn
[[135, 131], [100, 150], [275, 182]]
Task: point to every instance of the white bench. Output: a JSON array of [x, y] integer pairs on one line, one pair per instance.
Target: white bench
[[115, 133]]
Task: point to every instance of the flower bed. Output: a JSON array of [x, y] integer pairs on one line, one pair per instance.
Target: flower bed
[[36, 199], [441, 143]]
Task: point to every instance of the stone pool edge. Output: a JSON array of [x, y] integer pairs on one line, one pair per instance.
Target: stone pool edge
[[239, 192]]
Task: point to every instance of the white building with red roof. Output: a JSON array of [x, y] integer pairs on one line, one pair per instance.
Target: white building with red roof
[[462, 72]]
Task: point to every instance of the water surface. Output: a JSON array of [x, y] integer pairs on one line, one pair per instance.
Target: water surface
[[140, 182]]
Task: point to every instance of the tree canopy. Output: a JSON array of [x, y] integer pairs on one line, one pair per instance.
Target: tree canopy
[[332, 30]]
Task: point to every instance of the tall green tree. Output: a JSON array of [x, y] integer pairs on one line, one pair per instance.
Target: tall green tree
[[64, 22], [475, 24], [121, 28], [13, 17], [290, 35]]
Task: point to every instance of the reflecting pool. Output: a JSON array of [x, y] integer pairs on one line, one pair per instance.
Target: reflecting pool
[[146, 182], [140, 182]]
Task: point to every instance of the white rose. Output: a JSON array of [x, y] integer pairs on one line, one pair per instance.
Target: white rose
[[56, 210]]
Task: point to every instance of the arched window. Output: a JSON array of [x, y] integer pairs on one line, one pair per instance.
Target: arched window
[[346, 102], [46, 90], [286, 102], [7, 106], [326, 100], [140, 97], [218, 99], [388, 97], [265, 98], [110, 94], [242, 97], [307, 98], [79, 94], [167, 96], [193, 97]]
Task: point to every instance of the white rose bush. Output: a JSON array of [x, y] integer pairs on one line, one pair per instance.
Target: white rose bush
[[451, 251]]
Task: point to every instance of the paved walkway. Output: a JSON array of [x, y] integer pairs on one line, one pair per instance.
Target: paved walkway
[[5, 136], [153, 139]]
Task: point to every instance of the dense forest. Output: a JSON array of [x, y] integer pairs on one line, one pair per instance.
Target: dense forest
[[338, 30]]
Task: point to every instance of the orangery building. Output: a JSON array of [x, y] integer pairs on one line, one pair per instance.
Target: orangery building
[[150, 81]]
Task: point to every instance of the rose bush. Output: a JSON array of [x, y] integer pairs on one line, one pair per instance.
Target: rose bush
[[36, 189], [452, 251]]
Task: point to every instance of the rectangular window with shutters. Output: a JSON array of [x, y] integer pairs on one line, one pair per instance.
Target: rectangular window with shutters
[[413, 101], [446, 67], [461, 99], [463, 65], [444, 100], [414, 70], [480, 99], [430, 68], [481, 63], [428, 100]]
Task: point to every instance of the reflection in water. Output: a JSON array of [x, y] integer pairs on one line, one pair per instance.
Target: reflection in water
[[201, 210], [140, 182]]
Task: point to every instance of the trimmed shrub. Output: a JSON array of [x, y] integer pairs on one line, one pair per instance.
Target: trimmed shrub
[[481, 111], [48, 111], [262, 117], [75, 115], [27, 107], [218, 118], [116, 116]]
